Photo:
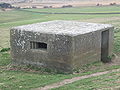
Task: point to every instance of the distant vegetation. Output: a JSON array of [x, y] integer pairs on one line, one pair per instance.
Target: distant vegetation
[[6, 5], [47, 7], [112, 4], [66, 6]]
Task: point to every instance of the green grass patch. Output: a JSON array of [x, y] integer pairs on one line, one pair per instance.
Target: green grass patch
[[103, 82], [93, 9], [4, 58], [5, 49], [117, 40], [19, 80]]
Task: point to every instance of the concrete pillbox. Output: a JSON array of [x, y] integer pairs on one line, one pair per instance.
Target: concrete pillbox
[[61, 45]]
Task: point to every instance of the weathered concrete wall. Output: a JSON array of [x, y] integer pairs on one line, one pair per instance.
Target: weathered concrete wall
[[86, 49], [65, 50], [111, 41], [57, 56]]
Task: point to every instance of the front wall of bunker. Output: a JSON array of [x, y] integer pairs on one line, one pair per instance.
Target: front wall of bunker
[[58, 53]]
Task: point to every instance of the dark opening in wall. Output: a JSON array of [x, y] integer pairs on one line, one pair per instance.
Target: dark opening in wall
[[38, 45], [104, 46]]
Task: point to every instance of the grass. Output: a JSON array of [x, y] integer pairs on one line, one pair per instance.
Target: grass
[[27, 79], [117, 40], [5, 49], [9, 19], [4, 59], [15, 15], [20, 80], [92, 9], [110, 81]]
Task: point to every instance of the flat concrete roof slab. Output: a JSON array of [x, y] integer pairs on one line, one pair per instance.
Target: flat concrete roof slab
[[71, 28]]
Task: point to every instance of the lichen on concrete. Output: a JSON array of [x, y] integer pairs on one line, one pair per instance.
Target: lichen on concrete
[[63, 27]]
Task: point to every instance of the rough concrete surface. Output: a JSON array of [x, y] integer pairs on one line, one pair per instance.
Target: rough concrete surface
[[59, 45]]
